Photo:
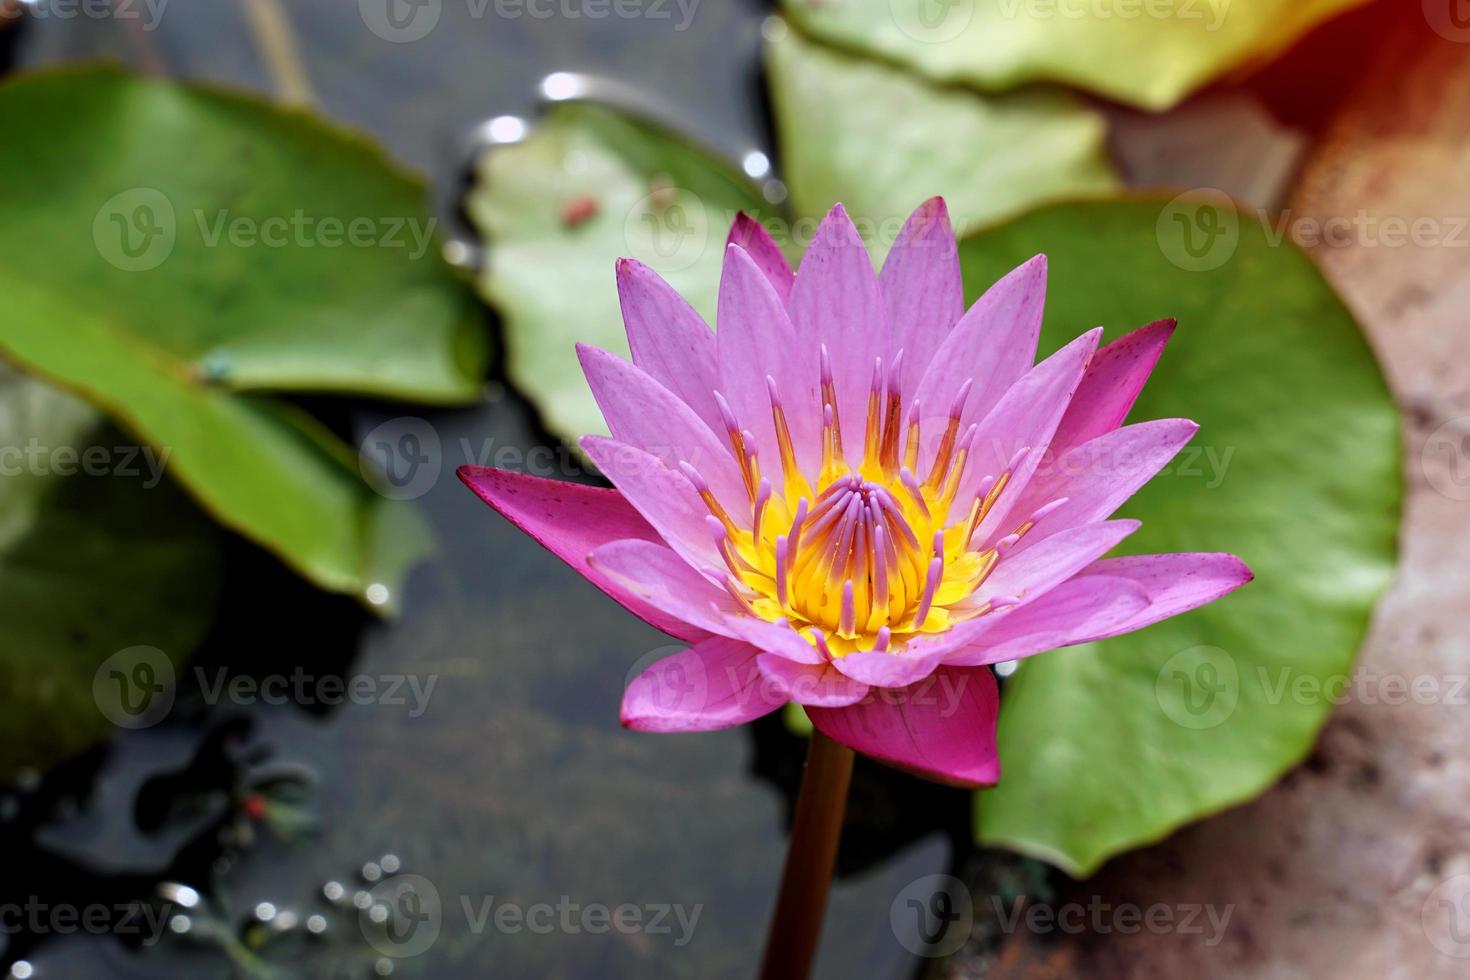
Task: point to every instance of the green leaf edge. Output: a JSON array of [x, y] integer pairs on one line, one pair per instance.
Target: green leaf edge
[[1084, 867]]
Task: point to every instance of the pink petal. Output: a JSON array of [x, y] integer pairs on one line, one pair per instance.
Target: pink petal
[[776, 638], [1175, 583], [571, 521], [1097, 477], [756, 340], [1083, 609], [1030, 574], [811, 684], [665, 581], [922, 287], [666, 499], [712, 685], [891, 669], [645, 414], [1111, 385], [836, 301], [991, 347], [1025, 418], [749, 235], [942, 728], [669, 340]]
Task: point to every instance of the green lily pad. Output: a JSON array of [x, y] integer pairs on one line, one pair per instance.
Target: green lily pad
[[587, 187], [255, 247], [989, 156], [1296, 468], [118, 290], [1149, 53], [99, 554]]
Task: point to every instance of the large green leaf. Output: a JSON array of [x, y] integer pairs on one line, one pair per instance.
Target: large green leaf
[[98, 554], [1296, 468], [1149, 53], [881, 142], [586, 188], [116, 289], [218, 232]]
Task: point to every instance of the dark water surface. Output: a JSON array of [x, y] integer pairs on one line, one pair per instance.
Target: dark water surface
[[492, 767]]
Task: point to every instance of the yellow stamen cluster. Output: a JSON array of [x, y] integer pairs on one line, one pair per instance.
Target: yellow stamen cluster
[[868, 557]]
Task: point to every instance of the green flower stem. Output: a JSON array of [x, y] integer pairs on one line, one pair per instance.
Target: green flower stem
[[796, 924]]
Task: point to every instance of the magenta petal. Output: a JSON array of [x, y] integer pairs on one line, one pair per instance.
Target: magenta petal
[[1032, 573], [757, 242], [1175, 583], [666, 499], [776, 638], [811, 684], [755, 341], [669, 340], [836, 302], [666, 582], [922, 287], [712, 685], [942, 728], [645, 414], [571, 521], [1097, 477], [991, 347], [1111, 384], [1024, 419], [891, 669], [1083, 609]]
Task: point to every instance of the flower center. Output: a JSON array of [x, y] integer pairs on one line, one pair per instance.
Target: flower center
[[871, 557]]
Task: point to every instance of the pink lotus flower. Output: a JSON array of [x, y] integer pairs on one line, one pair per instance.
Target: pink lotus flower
[[857, 495]]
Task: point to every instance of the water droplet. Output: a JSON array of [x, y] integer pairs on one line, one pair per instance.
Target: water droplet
[[334, 891], [378, 913], [389, 863], [377, 593], [22, 969], [316, 924], [265, 911], [756, 164], [180, 924], [371, 871], [384, 967], [362, 899]]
